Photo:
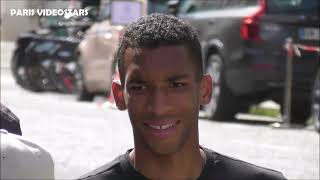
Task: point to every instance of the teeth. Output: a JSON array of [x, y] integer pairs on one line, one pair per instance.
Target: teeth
[[155, 127], [162, 127], [165, 126]]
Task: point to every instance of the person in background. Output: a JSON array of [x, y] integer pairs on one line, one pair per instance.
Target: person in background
[[20, 157], [162, 86], [9, 121]]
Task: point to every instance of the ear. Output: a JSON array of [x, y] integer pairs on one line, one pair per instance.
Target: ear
[[205, 89], [118, 95]]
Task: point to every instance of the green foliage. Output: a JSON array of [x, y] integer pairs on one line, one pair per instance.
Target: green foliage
[[256, 110]]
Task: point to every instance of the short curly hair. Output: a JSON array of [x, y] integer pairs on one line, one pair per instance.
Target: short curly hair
[[155, 30]]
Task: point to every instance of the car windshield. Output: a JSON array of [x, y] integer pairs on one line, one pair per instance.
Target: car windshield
[[187, 6], [309, 7]]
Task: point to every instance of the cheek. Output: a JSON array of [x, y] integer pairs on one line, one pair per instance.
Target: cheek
[[187, 103], [136, 106], [189, 96]]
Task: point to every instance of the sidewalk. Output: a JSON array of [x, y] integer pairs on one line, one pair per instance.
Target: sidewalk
[[7, 48]]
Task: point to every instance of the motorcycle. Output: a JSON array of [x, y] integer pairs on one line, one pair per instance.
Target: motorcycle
[[45, 59]]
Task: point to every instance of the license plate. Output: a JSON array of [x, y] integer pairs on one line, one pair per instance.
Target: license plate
[[309, 34]]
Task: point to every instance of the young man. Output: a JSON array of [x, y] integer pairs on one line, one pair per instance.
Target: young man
[[162, 87]]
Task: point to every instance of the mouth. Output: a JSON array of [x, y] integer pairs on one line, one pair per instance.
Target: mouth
[[162, 129]]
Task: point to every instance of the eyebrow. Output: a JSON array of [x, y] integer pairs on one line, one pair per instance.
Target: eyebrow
[[137, 80], [178, 77]]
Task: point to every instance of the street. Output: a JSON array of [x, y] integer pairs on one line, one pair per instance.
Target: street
[[82, 136]]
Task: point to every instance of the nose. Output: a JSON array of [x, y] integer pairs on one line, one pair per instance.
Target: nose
[[159, 103]]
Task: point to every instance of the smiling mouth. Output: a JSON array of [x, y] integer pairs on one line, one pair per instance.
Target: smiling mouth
[[162, 130], [161, 125]]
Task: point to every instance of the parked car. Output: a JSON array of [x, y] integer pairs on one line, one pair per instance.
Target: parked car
[[96, 56], [242, 43], [316, 102]]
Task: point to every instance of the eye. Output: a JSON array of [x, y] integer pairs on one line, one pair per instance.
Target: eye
[[138, 87], [177, 84]]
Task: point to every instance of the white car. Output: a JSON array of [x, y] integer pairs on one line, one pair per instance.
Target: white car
[[96, 59]]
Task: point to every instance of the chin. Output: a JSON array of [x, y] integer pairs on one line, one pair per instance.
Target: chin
[[164, 150], [164, 147]]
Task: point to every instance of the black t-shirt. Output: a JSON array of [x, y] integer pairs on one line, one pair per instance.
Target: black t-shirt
[[218, 167]]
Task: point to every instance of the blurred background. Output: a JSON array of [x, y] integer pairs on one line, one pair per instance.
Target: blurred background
[[263, 55]]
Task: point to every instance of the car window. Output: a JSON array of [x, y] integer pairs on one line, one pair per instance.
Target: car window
[[189, 6], [292, 7], [105, 11], [157, 6], [154, 6]]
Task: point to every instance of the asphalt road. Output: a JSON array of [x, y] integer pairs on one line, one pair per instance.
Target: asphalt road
[[83, 136]]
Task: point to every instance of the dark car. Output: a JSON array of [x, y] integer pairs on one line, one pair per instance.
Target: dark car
[[242, 42], [316, 102]]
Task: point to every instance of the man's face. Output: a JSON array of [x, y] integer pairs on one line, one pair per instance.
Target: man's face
[[163, 96]]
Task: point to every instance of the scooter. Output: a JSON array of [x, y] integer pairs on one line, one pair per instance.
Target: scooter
[[45, 59]]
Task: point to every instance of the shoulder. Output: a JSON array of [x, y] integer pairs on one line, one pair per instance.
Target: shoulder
[[234, 169], [110, 169], [24, 159], [118, 169]]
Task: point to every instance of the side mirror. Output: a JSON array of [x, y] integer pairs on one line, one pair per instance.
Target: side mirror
[[173, 7]]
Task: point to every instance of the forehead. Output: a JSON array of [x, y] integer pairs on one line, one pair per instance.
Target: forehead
[[163, 60]]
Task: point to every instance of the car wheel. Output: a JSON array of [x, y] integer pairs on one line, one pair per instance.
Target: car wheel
[[315, 106], [223, 105], [300, 110], [84, 95], [18, 68], [82, 92], [38, 78], [36, 73]]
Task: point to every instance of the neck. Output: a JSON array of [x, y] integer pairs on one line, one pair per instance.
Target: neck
[[184, 164]]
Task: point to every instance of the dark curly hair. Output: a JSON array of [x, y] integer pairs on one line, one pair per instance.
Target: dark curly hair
[[157, 30]]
